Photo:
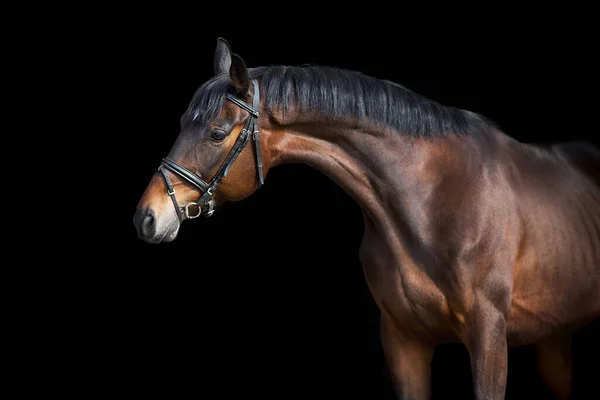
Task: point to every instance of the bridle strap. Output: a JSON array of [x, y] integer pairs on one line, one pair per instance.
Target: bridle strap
[[171, 191], [256, 105], [261, 179], [185, 174], [250, 129], [241, 104]]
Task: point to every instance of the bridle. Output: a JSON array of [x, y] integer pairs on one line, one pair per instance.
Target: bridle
[[205, 203]]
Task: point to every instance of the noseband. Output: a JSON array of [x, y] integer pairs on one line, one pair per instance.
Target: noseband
[[205, 203]]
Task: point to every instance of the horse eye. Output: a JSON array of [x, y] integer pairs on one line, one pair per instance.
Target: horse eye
[[217, 135]]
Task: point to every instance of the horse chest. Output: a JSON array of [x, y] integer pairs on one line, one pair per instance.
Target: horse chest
[[402, 290]]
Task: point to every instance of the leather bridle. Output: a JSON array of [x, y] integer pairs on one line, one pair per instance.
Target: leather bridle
[[205, 203]]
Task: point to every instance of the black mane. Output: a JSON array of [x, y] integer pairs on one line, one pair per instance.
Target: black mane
[[342, 94]]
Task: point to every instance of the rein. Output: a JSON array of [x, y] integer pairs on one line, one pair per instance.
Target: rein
[[206, 203]]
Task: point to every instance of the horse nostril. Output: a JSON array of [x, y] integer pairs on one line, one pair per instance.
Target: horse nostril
[[148, 225]]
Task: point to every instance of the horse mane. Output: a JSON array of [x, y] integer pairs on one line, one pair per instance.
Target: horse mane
[[336, 93]]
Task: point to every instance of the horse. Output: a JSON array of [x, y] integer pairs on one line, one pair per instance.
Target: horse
[[470, 236]]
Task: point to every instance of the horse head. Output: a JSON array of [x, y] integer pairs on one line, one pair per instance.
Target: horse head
[[210, 162]]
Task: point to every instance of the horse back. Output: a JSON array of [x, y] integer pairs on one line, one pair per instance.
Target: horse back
[[584, 156]]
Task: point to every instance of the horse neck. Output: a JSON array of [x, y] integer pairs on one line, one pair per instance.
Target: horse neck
[[384, 171]]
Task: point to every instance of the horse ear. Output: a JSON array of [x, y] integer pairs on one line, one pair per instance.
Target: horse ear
[[239, 74], [222, 57]]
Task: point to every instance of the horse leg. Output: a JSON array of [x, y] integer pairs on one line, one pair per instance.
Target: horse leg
[[409, 363], [486, 341], [554, 364]]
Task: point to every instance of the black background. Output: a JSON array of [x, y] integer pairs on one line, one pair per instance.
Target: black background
[[267, 298]]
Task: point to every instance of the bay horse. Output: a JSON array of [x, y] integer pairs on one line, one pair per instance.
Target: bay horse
[[470, 236]]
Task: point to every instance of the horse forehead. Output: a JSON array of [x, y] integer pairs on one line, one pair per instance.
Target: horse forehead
[[233, 113], [228, 113]]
